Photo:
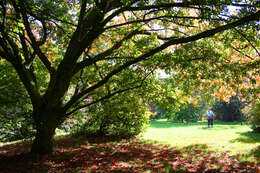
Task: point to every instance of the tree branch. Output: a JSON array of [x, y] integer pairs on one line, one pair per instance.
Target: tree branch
[[159, 18], [201, 35], [109, 95], [242, 52], [62, 29], [77, 86], [25, 75], [243, 35], [25, 48], [160, 37], [128, 8], [82, 12], [102, 55], [101, 99], [42, 20], [35, 44], [60, 20]]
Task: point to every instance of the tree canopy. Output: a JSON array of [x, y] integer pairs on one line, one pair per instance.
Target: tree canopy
[[72, 54]]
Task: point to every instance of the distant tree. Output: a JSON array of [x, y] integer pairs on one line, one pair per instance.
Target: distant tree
[[187, 114], [253, 113], [161, 113], [229, 111]]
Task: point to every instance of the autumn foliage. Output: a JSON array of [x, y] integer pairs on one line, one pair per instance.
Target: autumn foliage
[[112, 155]]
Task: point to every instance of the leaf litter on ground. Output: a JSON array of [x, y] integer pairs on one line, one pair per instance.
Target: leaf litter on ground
[[134, 155]]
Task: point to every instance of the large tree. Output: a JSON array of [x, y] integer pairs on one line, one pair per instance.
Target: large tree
[[90, 50]]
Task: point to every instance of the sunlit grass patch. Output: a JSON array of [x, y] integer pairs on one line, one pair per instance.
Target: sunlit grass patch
[[232, 138]]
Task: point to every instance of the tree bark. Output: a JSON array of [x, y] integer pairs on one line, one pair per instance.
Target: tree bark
[[46, 121], [43, 142]]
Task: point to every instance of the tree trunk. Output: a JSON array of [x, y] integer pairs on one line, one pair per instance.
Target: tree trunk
[[46, 123], [43, 142]]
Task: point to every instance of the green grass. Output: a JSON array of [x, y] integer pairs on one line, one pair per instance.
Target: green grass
[[191, 148], [232, 138]]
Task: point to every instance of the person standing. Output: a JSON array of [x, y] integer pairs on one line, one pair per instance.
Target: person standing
[[210, 117]]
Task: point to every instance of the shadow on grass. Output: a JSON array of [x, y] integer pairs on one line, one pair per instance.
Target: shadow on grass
[[196, 148], [109, 155], [217, 126], [170, 124], [254, 153], [203, 125], [248, 137]]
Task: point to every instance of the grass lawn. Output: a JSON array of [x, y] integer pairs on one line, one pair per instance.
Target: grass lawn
[[232, 138], [190, 148]]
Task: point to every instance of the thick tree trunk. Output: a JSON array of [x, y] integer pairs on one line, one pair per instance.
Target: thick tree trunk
[[46, 121], [43, 142]]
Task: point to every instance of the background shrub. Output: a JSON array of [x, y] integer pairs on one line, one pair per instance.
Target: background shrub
[[125, 115]]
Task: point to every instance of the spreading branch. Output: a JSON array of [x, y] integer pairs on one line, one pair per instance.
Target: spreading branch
[[104, 54], [241, 52], [101, 99], [109, 95], [243, 35], [151, 7], [163, 18], [204, 34], [34, 43]]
